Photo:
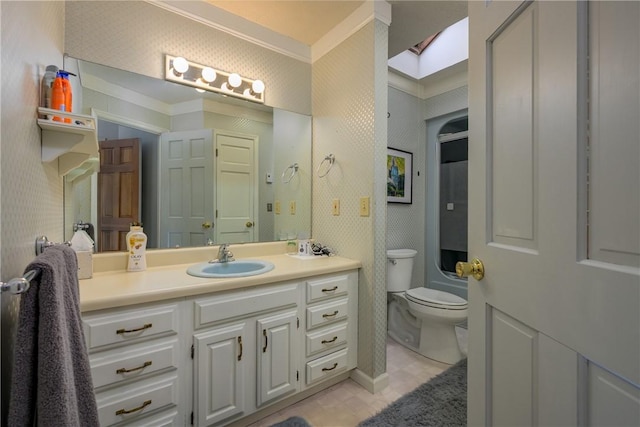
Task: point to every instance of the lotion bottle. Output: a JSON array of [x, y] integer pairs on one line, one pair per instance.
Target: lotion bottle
[[136, 248]]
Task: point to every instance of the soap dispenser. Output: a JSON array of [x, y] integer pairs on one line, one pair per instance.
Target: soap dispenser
[[136, 248]]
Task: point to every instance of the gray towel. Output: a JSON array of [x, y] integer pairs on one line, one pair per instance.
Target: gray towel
[[51, 383]]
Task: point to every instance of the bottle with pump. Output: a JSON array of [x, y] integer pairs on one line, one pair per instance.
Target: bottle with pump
[[57, 95], [66, 86], [136, 248]]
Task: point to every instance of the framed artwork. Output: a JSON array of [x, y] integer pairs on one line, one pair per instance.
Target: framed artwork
[[399, 175]]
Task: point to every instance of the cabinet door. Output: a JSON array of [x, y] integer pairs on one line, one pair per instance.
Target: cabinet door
[[219, 373], [277, 350]]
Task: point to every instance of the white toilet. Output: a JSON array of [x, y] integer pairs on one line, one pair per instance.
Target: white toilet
[[422, 319]]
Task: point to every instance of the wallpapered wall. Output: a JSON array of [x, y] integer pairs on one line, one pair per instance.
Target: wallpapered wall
[[30, 191], [349, 121], [136, 38]]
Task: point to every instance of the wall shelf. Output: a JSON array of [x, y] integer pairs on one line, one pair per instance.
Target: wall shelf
[[71, 144]]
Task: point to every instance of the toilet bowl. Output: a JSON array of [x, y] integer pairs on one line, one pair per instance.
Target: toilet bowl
[[422, 319]]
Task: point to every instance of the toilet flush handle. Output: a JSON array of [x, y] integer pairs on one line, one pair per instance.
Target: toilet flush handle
[[474, 268], [393, 261]]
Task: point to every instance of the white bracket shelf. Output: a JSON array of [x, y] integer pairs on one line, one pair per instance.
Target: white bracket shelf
[[71, 144]]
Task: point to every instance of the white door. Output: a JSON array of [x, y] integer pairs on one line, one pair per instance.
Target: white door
[[236, 188], [187, 187], [554, 213], [276, 347]]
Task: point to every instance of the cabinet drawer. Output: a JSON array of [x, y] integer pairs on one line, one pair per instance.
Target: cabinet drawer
[[326, 366], [328, 287], [128, 326], [234, 304], [114, 366], [325, 339], [130, 403], [327, 313]]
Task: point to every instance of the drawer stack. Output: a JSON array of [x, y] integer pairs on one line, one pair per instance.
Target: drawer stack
[[330, 320], [134, 358]]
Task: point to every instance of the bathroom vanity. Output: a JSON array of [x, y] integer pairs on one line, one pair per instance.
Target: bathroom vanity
[[167, 348]]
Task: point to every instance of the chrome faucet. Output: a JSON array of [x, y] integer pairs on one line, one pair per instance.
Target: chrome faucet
[[224, 254]]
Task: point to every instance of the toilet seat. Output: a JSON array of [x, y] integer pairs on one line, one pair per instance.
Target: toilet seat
[[436, 299]]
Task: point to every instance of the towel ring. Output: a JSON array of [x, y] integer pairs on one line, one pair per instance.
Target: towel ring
[[294, 169], [331, 159]]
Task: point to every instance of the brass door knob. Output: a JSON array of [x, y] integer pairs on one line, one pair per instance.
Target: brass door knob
[[207, 224], [249, 224], [474, 268]]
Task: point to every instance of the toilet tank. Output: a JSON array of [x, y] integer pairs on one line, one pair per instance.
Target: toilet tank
[[399, 269]]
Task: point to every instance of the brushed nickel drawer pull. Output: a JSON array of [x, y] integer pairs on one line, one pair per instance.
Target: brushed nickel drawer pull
[[335, 365], [126, 371], [128, 331], [266, 340], [139, 408], [240, 342], [329, 341], [330, 290], [330, 315]]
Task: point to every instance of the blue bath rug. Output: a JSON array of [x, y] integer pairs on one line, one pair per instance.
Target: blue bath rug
[[292, 422], [440, 402]]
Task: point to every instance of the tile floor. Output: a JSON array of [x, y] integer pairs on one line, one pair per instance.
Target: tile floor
[[347, 403]]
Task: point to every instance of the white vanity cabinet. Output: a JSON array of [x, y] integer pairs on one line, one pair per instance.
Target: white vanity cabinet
[[224, 357], [137, 360], [245, 351]]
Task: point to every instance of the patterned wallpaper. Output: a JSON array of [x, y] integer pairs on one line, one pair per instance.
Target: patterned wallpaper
[[406, 223], [349, 96], [135, 36], [30, 191]]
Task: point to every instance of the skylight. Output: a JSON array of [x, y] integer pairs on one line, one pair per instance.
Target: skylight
[[439, 51]]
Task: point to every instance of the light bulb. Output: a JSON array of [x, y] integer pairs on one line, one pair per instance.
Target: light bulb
[[257, 86], [208, 74], [235, 80], [180, 65]]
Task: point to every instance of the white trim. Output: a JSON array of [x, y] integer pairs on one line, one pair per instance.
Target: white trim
[[366, 13], [404, 84], [237, 26], [126, 121], [372, 385]]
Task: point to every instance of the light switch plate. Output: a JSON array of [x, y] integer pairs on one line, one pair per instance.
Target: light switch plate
[[276, 207], [335, 207], [364, 206], [292, 207]]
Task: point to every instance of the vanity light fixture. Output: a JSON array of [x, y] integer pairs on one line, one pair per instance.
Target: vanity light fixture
[[205, 78]]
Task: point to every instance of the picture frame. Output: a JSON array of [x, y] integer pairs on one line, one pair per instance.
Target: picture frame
[[399, 176]]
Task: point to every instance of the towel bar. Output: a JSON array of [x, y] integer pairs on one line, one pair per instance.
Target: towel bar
[[19, 284]]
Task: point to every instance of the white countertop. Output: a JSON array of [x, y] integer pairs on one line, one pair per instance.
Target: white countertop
[[111, 289]]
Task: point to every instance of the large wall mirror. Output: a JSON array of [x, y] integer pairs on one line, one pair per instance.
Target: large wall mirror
[[195, 168]]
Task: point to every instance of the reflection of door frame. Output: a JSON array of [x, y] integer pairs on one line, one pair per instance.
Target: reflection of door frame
[[435, 278], [124, 121]]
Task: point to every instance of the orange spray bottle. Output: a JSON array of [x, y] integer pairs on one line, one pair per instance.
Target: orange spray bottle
[[57, 95]]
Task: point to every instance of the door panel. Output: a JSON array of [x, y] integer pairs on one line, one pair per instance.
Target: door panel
[[119, 190], [187, 177], [545, 196], [236, 187]]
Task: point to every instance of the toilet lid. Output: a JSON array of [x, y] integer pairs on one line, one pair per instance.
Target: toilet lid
[[435, 298]]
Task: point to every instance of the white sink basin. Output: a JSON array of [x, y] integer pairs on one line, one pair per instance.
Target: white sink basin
[[237, 268]]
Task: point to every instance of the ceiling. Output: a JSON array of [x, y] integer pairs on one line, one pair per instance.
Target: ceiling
[[306, 21]]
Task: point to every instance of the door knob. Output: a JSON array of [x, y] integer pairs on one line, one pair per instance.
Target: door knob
[[249, 224], [206, 224], [474, 268]]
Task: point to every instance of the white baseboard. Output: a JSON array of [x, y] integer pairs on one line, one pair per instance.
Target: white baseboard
[[372, 385]]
